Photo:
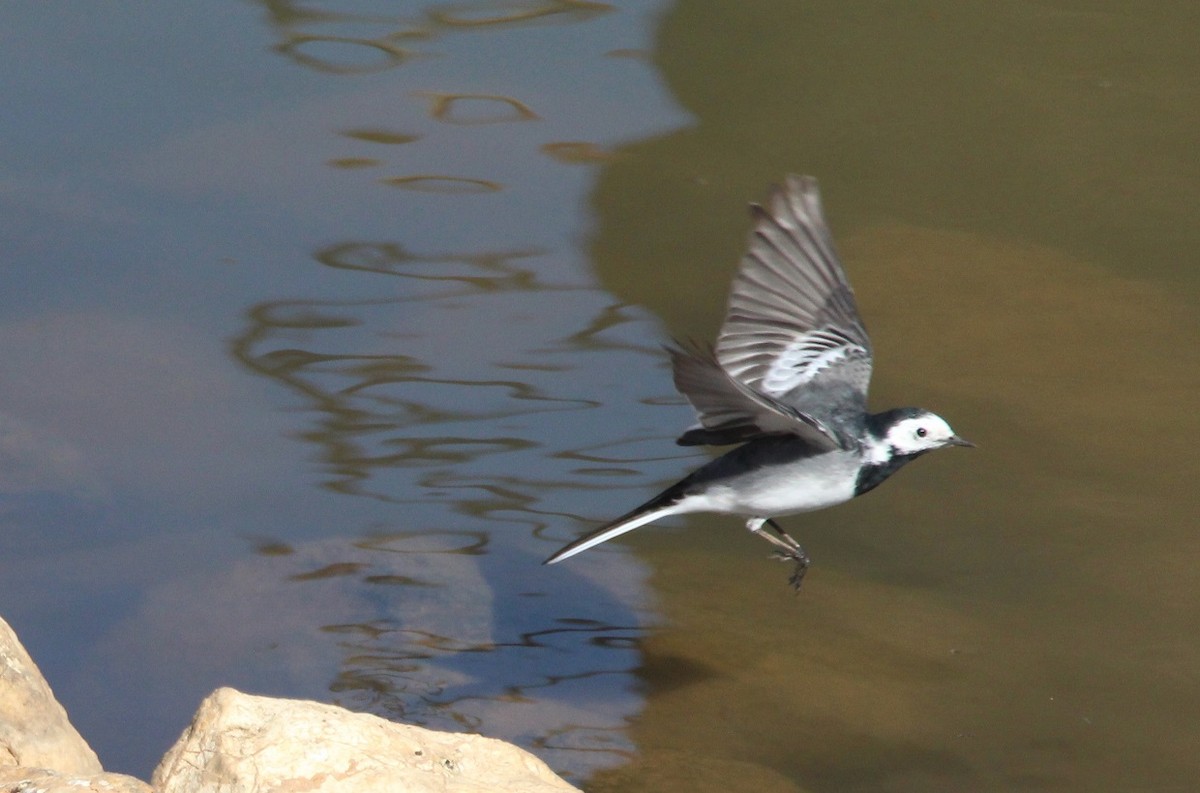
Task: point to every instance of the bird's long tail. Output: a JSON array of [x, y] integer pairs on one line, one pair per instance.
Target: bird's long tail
[[652, 510]]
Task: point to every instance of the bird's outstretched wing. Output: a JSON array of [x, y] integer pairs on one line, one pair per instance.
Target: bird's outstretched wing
[[792, 321], [792, 353]]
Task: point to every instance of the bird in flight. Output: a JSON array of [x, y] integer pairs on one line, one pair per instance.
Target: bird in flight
[[788, 381]]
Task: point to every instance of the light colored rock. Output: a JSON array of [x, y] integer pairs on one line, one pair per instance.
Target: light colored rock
[[239, 743], [23, 778], [34, 729]]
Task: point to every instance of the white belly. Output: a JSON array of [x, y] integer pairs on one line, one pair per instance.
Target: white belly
[[800, 487]]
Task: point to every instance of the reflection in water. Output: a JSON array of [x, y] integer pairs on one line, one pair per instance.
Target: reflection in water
[[340, 42], [436, 393], [578, 152], [386, 668], [376, 410], [378, 413], [457, 656], [329, 571], [450, 397], [437, 627], [349, 43], [471, 543], [478, 108], [487, 271], [452, 623], [450, 185], [483, 14], [351, 163], [382, 136], [339, 387], [344, 55]]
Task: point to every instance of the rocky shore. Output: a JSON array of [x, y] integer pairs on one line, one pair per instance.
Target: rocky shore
[[238, 743]]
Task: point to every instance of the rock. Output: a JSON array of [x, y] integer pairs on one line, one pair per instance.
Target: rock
[[238, 742], [34, 729], [23, 778]]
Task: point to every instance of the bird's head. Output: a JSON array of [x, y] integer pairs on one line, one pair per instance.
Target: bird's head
[[911, 431]]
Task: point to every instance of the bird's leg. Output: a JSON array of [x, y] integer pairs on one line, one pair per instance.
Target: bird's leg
[[789, 549]]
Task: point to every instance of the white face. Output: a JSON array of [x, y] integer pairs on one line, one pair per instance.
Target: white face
[[921, 434]]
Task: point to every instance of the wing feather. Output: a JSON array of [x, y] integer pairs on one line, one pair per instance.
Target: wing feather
[[792, 355], [792, 330], [730, 411]]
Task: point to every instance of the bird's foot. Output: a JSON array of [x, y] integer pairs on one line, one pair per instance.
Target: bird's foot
[[787, 549], [801, 561], [797, 576]]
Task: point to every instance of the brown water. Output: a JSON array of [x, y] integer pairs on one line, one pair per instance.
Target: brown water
[[332, 325], [1014, 192]]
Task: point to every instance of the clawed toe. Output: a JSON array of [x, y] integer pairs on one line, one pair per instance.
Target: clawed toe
[[786, 549], [797, 576]]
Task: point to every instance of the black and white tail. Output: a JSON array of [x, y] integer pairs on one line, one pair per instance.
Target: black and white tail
[[662, 505]]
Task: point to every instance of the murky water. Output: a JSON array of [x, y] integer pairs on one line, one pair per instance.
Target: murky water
[[323, 324]]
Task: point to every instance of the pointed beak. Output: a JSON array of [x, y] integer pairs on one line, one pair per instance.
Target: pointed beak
[[957, 441]]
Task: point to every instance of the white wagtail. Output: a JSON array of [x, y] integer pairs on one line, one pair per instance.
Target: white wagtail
[[788, 380]]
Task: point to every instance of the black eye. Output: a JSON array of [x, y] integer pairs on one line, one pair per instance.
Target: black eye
[[922, 432]]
